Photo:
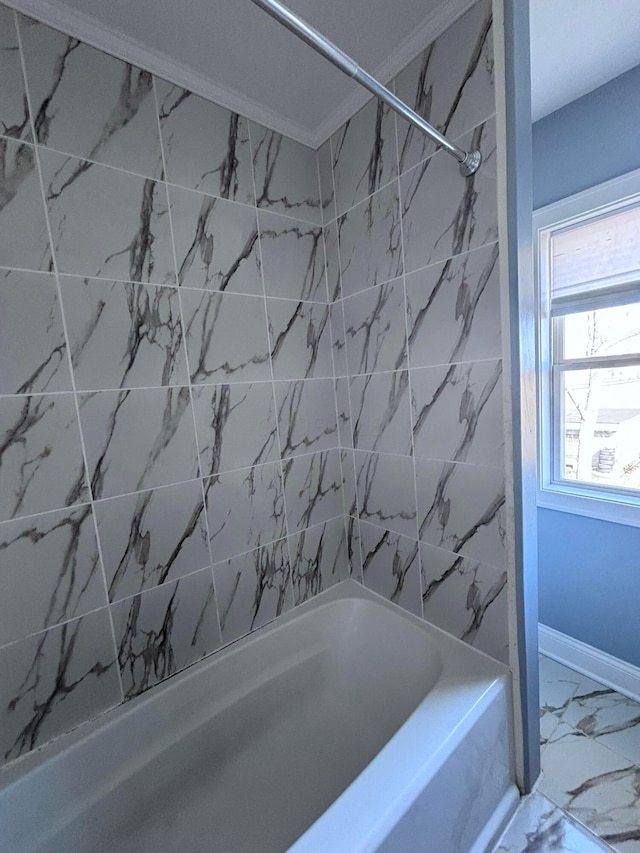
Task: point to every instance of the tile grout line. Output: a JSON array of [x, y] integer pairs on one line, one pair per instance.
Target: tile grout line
[[166, 583], [409, 382], [92, 277], [83, 450], [340, 303], [161, 486], [93, 610], [148, 177], [333, 367], [457, 555], [124, 388], [127, 388], [186, 355], [273, 381], [399, 175]]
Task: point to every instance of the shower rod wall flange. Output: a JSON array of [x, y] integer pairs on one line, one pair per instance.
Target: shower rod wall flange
[[469, 160]]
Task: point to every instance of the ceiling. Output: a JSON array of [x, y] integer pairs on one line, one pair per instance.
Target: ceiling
[[233, 53], [578, 45]]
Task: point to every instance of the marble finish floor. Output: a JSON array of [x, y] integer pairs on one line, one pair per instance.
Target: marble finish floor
[[588, 796], [539, 826]]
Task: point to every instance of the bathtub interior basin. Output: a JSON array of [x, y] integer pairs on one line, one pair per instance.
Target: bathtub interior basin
[[316, 732]]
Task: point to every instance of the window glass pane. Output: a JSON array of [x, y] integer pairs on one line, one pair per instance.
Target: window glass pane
[[606, 331], [601, 430], [604, 248]]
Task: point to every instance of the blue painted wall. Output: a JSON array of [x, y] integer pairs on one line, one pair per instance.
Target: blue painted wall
[[589, 141], [589, 578], [589, 581]]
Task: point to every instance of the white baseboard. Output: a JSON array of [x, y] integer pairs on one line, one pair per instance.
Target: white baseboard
[[612, 672]]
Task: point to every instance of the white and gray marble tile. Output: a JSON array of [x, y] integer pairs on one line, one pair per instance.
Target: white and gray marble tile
[[548, 724], [343, 405], [595, 785], [391, 567], [216, 243], [370, 243], [385, 489], [606, 716], [461, 508], [41, 465], [466, 214], [457, 412], [164, 629], [364, 154], [354, 553], [306, 416], [216, 351], [312, 488], [55, 680], [286, 175], [49, 571], [245, 509], [300, 336], [206, 147], [319, 559], [332, 260], [336, 319], [466, 598], [253, 589], [347, 460], [380, 412], [236, 425], [558, 685], [453, 309], [24, 239], [450, 84], [138, 439], [152, 537], [14, 113], [33, 351], [325, 173], [107, 223], [88, 103], [539, 826], [292, 258], [123, 335], [375, 329]]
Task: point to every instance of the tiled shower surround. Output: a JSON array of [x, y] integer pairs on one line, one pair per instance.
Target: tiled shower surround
[[235, 370], [412, 258]]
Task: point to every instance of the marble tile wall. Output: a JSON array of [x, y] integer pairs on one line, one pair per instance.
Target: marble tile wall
[[412, 261], [170, 471], [235, 370]]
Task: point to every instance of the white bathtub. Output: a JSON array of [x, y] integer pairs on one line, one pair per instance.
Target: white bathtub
[[348, 725]]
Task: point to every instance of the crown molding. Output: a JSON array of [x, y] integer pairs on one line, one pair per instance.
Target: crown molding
[[431, 27], [87, 29], [58, 15]]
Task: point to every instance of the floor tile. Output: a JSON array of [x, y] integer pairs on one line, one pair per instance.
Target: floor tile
[[606, 716], [594, 785], [539, 826], [558, 685]]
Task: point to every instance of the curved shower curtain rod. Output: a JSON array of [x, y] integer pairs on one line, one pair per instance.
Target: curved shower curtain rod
[[469, 160]]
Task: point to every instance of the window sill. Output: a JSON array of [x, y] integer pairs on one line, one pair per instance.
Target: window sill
[[618, 512]]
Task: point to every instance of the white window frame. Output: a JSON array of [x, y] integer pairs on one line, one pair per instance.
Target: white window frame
[[606, 503]]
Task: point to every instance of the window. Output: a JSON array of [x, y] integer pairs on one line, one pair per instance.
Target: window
[[588, 273]]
